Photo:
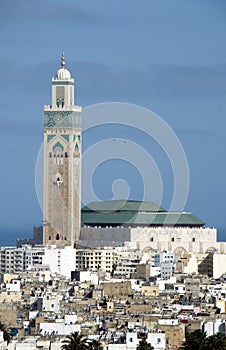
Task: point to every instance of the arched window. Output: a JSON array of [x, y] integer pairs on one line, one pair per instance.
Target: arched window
[[193, 239], [172, 239], [57, 236], [65, 154], [49, 238], [152, 239]]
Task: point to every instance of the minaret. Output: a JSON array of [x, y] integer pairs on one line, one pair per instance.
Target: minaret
[[62, 163]]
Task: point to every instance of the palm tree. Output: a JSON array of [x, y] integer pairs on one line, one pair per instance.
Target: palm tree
[[216, 342], [6, 333], [74, 341], [94, 345], [144, 345], [196, 340]]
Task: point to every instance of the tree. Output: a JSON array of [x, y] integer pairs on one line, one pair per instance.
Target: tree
[[74, 341], [216, 342], [196, 340], [144, 345], [6, 333], [94, 345]]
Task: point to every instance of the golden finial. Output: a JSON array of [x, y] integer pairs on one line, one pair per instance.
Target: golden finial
[[62, 60]]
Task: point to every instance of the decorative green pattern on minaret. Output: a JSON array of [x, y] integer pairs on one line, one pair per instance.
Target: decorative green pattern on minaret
[[66, 137], [50, 137], [62, 119], [58, 144]]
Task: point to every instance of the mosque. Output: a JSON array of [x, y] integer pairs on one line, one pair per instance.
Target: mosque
[[143, 225]]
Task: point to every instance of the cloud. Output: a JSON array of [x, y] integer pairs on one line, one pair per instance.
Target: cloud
[[96, 82], [47, 11], [103, 82]]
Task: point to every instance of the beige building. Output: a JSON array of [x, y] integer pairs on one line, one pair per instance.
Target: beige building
[[117, 288], [95, 259], [62, 159], [150, 291]]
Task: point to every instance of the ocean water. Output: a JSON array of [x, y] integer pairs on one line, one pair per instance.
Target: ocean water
[[8, 236]]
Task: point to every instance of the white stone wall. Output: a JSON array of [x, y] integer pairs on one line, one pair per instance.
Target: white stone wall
[[171, 238], [192, 265], [50, 304], [157, 340], [175, 239], [59, 328], [214, 327], [219, 265], [66, 261]]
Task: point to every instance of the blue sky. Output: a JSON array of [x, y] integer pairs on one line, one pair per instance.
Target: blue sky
[[168, 56]]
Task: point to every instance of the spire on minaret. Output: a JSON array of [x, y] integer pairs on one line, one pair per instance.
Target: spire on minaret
[[63, 60], [63, 73]]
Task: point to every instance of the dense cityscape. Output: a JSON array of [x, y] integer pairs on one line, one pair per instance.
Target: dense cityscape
[[120, 274]]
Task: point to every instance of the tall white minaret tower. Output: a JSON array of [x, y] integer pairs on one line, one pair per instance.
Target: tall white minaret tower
[[62, 163]]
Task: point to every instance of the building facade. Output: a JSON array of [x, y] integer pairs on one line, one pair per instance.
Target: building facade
[[95, 259], [17, 260], [147, 227], [62, 163]]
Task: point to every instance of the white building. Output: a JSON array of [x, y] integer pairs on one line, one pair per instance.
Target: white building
[[126, 260], [146, 226], [14, 286], [3, 344], [219, 265], [59, 328], [213, 327], [16, 260], [163, 264], [157, 340]]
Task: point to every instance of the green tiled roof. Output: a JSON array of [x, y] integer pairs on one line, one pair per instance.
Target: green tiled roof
[[134, 213], [123, 206]]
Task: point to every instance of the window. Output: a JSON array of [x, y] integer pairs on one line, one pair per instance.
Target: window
[[152, 239], [49, 238], [57, 237], [172, 239], [193, 239]]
